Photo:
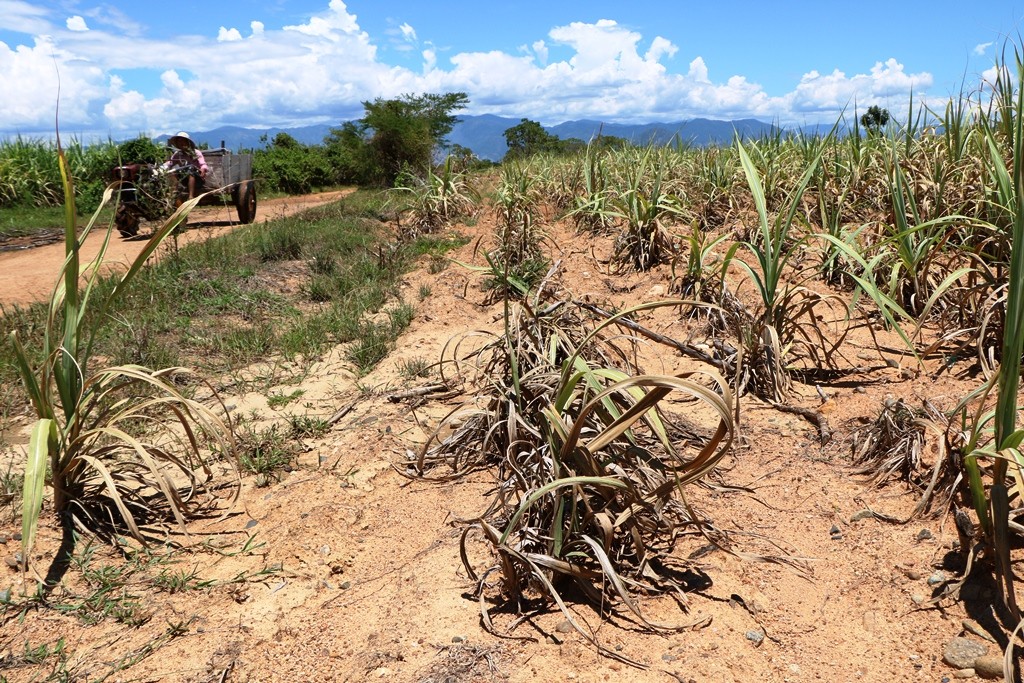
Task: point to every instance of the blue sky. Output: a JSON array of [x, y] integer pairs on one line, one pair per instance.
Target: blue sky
[[130, 67]]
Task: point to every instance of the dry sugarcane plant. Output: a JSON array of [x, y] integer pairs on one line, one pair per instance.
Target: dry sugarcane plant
[[912, 445], [643, 207], [590, 477]]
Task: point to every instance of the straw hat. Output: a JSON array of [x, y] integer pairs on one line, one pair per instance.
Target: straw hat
[[181, 140]]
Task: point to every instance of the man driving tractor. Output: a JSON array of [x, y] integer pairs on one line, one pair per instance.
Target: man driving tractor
[[150, 192], [186, 161]]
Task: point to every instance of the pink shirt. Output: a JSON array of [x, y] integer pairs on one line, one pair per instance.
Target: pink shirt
[[182, 157]]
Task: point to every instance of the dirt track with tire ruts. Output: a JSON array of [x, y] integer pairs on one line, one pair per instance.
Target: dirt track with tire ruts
[[27, 275]]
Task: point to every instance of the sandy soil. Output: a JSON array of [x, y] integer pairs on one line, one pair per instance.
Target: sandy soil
[[26, 275], [362, 578]]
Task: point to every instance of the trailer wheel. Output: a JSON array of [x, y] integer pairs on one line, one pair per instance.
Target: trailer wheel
[[127, 221], [245, 202]]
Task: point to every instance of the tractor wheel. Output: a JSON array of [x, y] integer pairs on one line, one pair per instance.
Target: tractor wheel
[[127, 221], [245, 202]]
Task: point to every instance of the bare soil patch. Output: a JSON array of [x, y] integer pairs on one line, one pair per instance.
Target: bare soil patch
[[346, 570]]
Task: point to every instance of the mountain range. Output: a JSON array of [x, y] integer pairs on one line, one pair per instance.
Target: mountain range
[[485, 134]]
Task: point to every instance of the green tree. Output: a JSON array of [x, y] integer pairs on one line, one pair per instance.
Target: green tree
[[528, 138], [285, 141], [141, 149], [570, 146], [610, 142], [287, 165], [875, 119], [464, 159], [347, 152], [402, 134]]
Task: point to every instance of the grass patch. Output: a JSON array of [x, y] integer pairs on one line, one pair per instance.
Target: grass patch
[[225, 303], [323, 265], [178, 580], [437, 245], [265, 452], [416, 367], [276, 401], [308, 426], [376, 340], [20, 221], [320, 288], [23, 220], [281, 244], [31, 655]]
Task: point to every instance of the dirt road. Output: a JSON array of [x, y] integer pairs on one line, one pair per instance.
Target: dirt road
[[28, 275]]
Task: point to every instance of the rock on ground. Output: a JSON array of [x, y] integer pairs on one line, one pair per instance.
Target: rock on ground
[[960, 653], [989, 666]]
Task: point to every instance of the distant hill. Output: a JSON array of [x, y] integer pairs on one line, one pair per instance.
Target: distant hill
[[485, 134], [236, 138], [697, 132]]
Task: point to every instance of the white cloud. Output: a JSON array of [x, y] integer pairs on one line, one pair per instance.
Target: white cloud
[[23, 17], [698, 71], [76, 23], [890, 79], [33, 77], [997, 73], [227, 35], [887, 83], [337, 18], [541, 50], [981, 48], [601, 48], [128, 108], [989, 76], [321, 70], [606, 77], [660, 48], [107, 15]]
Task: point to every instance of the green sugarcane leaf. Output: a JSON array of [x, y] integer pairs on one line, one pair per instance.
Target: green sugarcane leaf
[[41, 443]]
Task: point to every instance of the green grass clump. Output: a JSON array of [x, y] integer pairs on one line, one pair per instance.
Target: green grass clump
[[416, 367], [375, 340], [308, 426], [265, 452], [280, 400], [283, 242]]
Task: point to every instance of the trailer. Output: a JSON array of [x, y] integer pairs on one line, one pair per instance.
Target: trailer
[[147, 193]]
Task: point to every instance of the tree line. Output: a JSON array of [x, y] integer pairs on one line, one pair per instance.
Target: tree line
[[400, 135], [394, 136]]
